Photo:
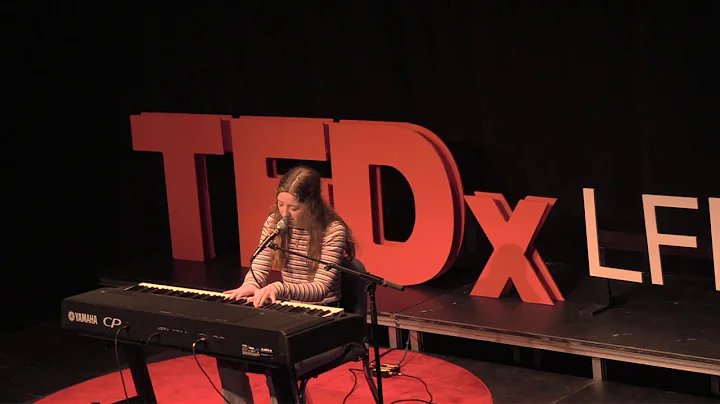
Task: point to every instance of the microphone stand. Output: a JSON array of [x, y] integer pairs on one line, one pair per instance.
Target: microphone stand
[[372, 282]]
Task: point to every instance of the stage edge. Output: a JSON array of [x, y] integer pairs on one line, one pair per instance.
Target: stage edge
[[598, 352]]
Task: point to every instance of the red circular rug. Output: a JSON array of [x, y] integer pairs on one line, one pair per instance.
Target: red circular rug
[[181, 381]]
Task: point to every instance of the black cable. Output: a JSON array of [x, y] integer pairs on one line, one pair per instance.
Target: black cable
[[372, 362], [412, 400], [254, 277], [406, 400], [417, 400], [354, 384], [354, 378], [372, 365], [398, 363], [269, 238], [203, 339], [407, 348], [150, 337], [252, 272], [117, 360]]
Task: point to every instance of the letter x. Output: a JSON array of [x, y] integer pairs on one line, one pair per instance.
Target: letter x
[[514, 260]]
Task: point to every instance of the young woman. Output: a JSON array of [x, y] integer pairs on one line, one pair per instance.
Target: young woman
[[314, 229]]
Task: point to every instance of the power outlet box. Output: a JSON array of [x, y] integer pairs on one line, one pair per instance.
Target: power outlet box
[[387, 370]]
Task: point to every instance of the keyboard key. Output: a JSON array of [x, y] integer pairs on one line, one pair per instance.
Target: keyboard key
[[214, 296]]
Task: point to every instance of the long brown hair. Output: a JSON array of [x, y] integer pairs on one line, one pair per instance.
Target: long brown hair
[[305, 184]]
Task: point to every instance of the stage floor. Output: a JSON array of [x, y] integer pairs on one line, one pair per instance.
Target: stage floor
[[673, 326], [40, 360], [670, 326]]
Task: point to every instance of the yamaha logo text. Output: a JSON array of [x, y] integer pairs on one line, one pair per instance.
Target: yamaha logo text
[[83, 318]]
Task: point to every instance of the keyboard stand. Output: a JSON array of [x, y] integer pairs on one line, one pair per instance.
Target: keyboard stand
[[283, 379], [284, 392], [140, 375]]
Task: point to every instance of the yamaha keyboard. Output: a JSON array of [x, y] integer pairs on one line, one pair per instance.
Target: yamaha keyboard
[[279, 334]]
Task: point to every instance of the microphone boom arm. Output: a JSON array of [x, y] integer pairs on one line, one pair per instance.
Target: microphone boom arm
[[367, 277], [279, 228]]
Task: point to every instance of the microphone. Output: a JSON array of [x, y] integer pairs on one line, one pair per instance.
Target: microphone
[[279, 228]]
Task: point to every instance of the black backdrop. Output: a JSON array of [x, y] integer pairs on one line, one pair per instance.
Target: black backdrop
[[540, 99]]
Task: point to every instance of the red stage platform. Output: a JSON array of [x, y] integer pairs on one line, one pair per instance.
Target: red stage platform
[[181, 380]]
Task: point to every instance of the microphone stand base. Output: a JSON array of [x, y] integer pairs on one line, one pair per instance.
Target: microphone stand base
[[376, 343]]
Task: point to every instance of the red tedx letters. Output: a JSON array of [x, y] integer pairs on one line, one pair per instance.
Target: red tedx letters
[[512, 234], [356, 151]]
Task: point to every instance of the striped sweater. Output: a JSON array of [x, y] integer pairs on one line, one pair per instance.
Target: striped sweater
[[324, 288]]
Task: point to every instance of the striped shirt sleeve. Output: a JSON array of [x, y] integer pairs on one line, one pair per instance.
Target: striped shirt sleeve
[[325, 280], [262, 264]]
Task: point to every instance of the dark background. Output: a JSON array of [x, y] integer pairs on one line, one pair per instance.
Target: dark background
[[541, 99]]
